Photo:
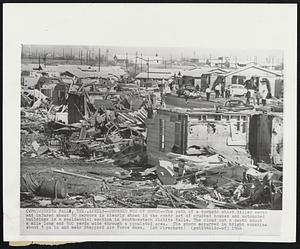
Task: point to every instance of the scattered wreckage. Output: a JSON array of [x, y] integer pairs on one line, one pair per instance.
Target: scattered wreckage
[[101, 160]]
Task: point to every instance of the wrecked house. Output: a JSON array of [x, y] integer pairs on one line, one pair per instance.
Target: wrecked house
[[181, 131], [53, 88]]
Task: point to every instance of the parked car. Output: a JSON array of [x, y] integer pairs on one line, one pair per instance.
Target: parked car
[[237, 90], [234, 105], [185, 90], [193, 95]]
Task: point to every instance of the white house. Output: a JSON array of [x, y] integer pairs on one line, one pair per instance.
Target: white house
[[256, 73]]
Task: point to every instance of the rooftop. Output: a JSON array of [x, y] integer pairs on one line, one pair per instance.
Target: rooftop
[[144, 75]]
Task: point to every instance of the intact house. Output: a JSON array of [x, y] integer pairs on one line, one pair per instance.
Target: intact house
[[203, 77], [254, 74], [159, 78], [232, 134]]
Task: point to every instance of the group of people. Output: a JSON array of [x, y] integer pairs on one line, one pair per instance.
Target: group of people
[[220, 91], [259, 97]]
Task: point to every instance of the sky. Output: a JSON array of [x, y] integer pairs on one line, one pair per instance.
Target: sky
[[165, 52]]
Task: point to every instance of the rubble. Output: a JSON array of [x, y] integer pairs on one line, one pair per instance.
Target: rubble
[[106, 149]]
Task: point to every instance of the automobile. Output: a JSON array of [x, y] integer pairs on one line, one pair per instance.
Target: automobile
[[234, 105], [183, 91], [193, 95], [237, 90]]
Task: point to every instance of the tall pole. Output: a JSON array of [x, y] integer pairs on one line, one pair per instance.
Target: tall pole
[[141, 62], [135, 63], [71, 54], [148, 68], [80, 57], [86, 57], [126, 58], [99, 58]]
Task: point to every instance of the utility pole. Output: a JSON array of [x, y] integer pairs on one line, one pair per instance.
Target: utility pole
[[126, 58], [165, 64], [80, 57], [141, 62], [148, 69], [135, 63], [87, 57], [63, 53], [45, 55], [71, 54], [99, 58]]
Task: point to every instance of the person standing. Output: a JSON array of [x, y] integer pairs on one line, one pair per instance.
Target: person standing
[[257, 96], [208, 91], [186, 99], [222, 90], [217, 90], [227, 93], [248, 95], [264, 95]]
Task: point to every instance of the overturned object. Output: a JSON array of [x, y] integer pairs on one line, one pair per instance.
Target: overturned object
[[52, 188]]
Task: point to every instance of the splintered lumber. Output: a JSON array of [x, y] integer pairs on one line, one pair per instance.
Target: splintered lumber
[[77, 175]]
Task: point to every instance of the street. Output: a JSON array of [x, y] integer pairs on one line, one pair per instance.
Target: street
[[192, 103]]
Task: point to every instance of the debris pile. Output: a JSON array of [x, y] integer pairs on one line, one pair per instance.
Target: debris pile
[[206, 181], [117, 134], [104, 145]]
